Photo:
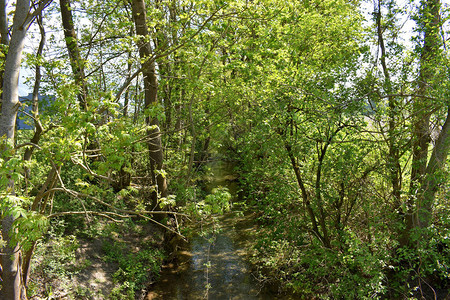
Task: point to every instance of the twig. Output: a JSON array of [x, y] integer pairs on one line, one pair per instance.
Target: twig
[[104, 214]]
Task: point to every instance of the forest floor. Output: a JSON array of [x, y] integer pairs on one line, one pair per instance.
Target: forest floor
[[106, 264]]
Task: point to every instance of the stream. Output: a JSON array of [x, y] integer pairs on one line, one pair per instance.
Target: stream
[[215, 266]]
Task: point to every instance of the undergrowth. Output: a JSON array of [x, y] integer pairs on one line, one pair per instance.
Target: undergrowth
[[124, 253], [135, 268]]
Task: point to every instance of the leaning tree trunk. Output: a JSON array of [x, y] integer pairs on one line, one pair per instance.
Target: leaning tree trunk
[[150, 94]]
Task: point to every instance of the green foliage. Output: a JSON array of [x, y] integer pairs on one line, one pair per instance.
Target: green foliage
[[218, 202], [309, 269], [427, 262], [56, 260], [28, 225], [318, 123], [135, 268]]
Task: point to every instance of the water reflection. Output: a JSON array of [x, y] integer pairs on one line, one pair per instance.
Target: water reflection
[[214, 268]]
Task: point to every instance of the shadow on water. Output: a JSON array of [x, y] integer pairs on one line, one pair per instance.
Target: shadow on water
[[215, 266]]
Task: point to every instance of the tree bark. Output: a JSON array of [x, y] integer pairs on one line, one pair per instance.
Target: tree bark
[[305, 197], [76, 61], [12, 279], [4, 38], [26, 265], [432, 180], [4, 24], [393, 158], [421, 112], [322, 219], [39, 200], [151, 98], [13, 287]]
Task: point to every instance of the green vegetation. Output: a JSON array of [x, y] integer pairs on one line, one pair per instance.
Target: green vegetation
[[334, 114], [134, 267]]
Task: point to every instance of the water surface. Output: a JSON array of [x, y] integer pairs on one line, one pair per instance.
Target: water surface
[[215, 266]]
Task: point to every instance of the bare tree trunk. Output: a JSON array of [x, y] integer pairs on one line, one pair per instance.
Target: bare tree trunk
[[74, 52], [26, 266], [194, 140], [127, 92], [13, 287], [4, 38], [151, 98], [39, 200], [4, 24], [12, 279]]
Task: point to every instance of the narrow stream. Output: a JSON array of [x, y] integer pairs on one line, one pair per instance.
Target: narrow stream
[[215, 266]]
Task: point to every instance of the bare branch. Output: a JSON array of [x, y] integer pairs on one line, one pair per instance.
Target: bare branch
[[27, 144], [127, 83], [101, 214], [87, 169], [31, 17]]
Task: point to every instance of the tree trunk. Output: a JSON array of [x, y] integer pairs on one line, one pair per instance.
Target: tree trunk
[[4, 24], [393, 158], [26, 264], [76, 61], [150, 94], [12, 278], [39, 200], [305, 196], [421, 112], [4, 38], [37, 82], [127, 92], [13, 287], [318, 190], [432, 179]]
